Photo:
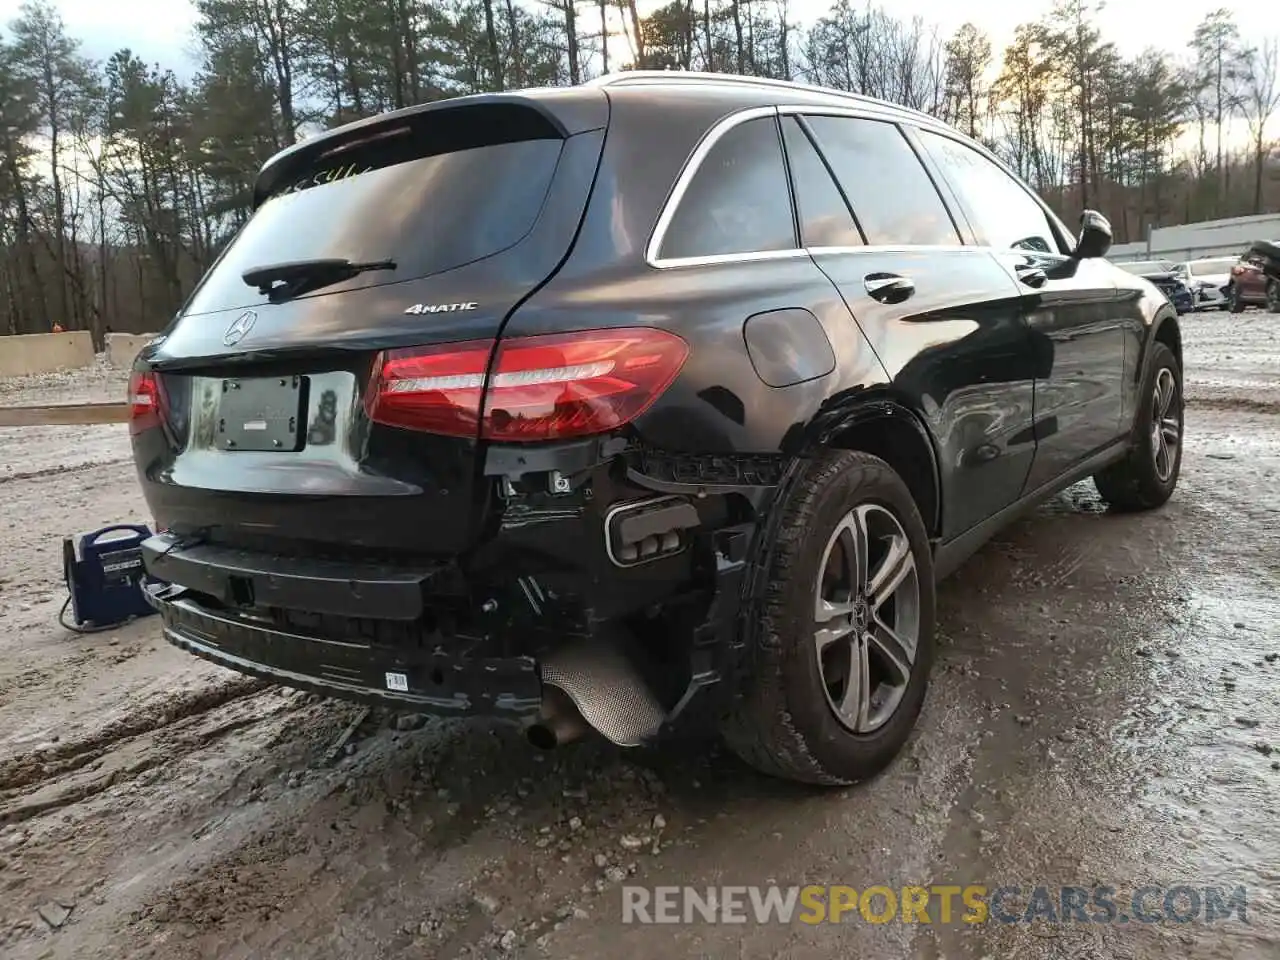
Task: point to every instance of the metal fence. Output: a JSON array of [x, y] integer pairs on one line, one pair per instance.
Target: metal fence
[[1212, 238]]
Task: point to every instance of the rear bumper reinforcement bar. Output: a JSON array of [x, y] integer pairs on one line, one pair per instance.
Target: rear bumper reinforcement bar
[[320, 586], [433, 681]]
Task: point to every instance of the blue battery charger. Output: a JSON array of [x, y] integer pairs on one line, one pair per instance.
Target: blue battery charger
[[104, 573]]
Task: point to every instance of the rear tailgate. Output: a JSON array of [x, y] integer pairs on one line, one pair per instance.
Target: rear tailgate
[[264, 435]]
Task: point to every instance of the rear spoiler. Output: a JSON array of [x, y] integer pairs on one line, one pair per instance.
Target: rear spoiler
[[459, 123]]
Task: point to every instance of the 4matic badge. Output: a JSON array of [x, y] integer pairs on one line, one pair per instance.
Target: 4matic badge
[[440, 307]]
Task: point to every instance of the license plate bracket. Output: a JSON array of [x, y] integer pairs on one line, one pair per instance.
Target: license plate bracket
[[261, 413]]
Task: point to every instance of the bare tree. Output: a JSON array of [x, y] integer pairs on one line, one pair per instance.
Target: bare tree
[[968, 60], [48, 60], [1260, 101], [495, 54], [1218, 74], [568, 11]]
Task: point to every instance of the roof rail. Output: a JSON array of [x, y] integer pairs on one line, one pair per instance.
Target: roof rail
[[624, 77]]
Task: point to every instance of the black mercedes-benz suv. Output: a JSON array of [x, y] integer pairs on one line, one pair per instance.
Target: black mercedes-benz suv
[[578, 406]]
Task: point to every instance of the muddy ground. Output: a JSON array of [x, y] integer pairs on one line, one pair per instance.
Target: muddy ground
[[1105, 710]]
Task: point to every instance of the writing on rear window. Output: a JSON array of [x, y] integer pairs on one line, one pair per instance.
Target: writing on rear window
[[332, 175], [440, 307]]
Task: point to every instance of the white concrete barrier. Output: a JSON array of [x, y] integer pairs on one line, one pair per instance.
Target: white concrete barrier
[[45, 352], [122, 348]]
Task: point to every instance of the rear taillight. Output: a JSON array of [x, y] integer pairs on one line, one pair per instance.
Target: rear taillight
[[433, 389], [539, 388], [144, 401]]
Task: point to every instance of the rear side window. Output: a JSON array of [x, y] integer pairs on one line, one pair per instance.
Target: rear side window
[[737, 201], [406, 194], [892, 196], [825, 220], [1003, 214]]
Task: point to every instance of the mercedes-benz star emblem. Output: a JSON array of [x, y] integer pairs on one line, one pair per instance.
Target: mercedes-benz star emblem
[[240, 329], [861, 615]]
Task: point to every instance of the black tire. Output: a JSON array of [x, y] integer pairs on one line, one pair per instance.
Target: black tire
[[779, 719], [1273, 296], [1136, 482], [1234, 303]]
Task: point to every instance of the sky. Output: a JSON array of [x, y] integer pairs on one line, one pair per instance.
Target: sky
[[157, 30], [1132, 25], [160, 30]]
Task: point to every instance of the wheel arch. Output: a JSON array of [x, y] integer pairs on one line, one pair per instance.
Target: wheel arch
[[1165, 329], [887, 428]]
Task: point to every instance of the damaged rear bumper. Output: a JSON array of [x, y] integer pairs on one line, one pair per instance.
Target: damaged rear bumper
[[623, 589], [324, 637], [428, 681]]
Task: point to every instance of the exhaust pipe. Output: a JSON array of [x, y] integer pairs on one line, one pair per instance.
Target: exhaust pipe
[[594, 686], [558, 723]]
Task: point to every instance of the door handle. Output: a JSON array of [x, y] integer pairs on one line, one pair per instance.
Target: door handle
[[1031, 276], [888, 287]]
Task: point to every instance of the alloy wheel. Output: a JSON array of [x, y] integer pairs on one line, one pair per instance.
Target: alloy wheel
[[1166, 427], [867, 617], [1273, 297]]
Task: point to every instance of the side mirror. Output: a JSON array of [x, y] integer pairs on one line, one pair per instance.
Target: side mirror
[[1095, 236]]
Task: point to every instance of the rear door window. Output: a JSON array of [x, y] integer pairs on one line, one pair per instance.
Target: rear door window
[[737, 201], [892, 195], [825, 220], [399, 196], [1001, 211]]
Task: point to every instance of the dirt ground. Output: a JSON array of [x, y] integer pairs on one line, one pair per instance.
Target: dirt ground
[[1104, 711]]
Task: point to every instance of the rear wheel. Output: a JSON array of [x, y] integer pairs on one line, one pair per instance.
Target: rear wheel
[[1145, 479], [1234, 303], [841, 653]]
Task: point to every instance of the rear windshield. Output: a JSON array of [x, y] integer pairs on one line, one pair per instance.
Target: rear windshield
[[379, 201], [1210, 268]]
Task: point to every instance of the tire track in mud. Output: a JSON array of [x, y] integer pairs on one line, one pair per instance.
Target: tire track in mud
[[34, 783], [1235, 404], [187, 704], [188, 793], [62, 469], [481, 836]]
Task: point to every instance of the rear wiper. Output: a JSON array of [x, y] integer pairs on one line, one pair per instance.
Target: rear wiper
[[296, 275]]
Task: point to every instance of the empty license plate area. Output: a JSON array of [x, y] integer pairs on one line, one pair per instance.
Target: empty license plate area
[[261, 413]]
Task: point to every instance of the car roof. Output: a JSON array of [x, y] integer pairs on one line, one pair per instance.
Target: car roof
[[575, 108], [578, 108], [734, 90]]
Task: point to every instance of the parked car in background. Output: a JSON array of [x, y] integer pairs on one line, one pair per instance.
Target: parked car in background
[[1210, 281], [1163, 273], [1251, 283], [571, 406]]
